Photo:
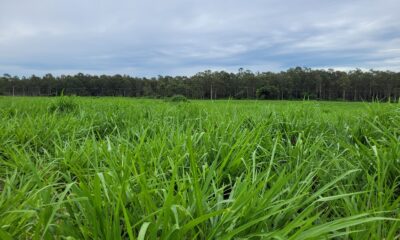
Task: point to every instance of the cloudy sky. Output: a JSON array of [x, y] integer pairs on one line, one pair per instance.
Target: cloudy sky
[[179, 37]]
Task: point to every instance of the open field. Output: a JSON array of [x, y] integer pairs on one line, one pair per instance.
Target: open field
[[111, 168]]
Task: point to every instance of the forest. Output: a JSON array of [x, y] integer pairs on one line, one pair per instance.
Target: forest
[[294, 83]]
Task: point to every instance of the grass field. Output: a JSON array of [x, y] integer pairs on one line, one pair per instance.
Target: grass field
[[120, 168]]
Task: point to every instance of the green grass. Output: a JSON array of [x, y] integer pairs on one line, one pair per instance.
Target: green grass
[[119, 168]]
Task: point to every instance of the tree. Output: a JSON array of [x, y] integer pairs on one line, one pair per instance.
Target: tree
[[295, 83], [344, 83]]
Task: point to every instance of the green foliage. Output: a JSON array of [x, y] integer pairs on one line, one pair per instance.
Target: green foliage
[[146, 169], [294, 83], [267, 92], [63, 104], [8, 112], [178, 98], [240, 95]]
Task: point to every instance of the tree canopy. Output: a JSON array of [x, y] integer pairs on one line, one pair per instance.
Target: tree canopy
[[295, 83]]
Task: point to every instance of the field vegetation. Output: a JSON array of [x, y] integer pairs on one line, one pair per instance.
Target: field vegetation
[[119, 168]]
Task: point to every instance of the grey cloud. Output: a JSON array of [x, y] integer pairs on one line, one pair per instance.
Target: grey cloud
[[182, 37]]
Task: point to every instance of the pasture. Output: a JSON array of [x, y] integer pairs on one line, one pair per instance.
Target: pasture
[[123, 168]]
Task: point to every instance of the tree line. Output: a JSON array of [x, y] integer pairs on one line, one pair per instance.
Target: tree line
[[295, 83]]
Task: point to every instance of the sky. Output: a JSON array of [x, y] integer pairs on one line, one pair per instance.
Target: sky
[[183, 37]]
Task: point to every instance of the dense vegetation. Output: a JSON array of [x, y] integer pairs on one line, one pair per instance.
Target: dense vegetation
[[295, 83], [101, 168]]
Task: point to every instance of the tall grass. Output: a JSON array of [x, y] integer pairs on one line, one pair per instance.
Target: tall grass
[[114, 168]]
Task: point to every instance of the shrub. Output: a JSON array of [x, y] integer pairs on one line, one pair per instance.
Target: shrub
[[240, 95], [178, 98], [63, 104], [267, 92]]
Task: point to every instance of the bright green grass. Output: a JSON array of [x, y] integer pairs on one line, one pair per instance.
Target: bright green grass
[[119, 168]]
